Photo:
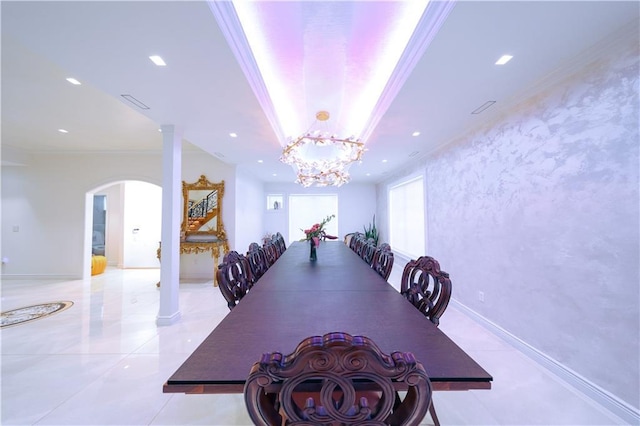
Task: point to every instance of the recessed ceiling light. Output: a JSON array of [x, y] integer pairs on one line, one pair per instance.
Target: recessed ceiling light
[[415, 134], [157, 60], [384, 161], [233, 135], [73, 81], [275, 174], [63, 131], [503, 59], [368, 174], [160, 130], [260, 161]]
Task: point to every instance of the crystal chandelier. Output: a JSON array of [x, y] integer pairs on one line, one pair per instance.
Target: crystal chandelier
[[320, 158]]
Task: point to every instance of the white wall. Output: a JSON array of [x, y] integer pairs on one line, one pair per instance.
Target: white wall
[[115, 223], [540, 212], [142, 224], [250, 208], [49, 196], [195, 163], [45, 200], [20, 227], [356, 206]]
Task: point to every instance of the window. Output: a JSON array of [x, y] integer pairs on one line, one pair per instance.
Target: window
[[305, 210], [406, 218]]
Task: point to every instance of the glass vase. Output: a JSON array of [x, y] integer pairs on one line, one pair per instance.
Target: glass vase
[[313, 256]]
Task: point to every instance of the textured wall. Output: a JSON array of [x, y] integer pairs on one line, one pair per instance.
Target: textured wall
[[541, 211]]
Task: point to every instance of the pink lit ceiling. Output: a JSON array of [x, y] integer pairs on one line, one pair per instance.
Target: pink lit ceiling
[[347, 58], [212, 86]]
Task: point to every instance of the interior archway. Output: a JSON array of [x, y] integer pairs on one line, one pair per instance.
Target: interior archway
[[132, 229]]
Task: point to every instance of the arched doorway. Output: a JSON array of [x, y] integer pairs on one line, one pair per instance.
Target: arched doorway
[[131, 230]]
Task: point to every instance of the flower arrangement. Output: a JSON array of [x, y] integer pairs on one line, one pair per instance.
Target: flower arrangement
[[316, 232]]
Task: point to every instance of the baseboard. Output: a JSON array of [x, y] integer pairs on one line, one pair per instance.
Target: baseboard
[[196, 278], [590, 390], [47, 277], [166, 320]]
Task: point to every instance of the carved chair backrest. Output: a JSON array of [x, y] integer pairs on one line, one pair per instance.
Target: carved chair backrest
[[360, 243], [354, 240], [234, 277], [368, 250], [426, 287], [385, 247], [347, 239], [337, 379], [270, 252], [383, 261], [257, 261], [282, 246]]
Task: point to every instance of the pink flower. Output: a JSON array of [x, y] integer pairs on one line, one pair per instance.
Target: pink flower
[[317, 232]]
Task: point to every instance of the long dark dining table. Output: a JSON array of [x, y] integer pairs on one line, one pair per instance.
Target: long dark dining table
[[296, 299]]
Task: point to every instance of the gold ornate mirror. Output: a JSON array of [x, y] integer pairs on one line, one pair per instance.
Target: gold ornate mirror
[[202, 214]]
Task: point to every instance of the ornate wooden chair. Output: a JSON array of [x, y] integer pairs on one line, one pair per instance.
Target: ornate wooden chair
[[234, 277], [359, 244], [270, 252], [280, 244], [257, 261], [368, 250], [347, 239], [353, 242], [337, 379], [426, 287], [383, 261]]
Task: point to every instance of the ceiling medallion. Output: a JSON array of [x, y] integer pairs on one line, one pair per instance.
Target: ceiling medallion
[[322, 159]]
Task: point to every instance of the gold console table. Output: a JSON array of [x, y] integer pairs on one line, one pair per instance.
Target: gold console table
[[217, 248]]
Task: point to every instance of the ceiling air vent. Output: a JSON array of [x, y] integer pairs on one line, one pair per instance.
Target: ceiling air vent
[[483, 107], [135, 101]]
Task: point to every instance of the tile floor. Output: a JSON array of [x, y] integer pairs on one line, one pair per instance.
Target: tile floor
[[103, 362]]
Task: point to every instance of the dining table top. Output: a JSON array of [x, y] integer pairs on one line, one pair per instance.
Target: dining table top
[[297, 298]]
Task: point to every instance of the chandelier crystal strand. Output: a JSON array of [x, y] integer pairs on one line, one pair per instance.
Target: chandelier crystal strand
[[322, 159]]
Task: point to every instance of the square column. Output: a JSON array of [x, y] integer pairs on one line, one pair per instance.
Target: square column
[[169, 312]]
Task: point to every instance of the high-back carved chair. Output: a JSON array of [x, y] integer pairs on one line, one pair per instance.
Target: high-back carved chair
[[347, 239], [270, 252], [337, 379], [368, 250], [353, 242], [429, 289], [257, 261], [383, 261], [359, 245], [280, 244], [426, 287], [234, 277]]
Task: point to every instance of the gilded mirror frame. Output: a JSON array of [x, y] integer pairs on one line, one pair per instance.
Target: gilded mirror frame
[[202, 206]]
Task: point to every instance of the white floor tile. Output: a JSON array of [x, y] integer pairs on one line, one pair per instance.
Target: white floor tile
[[104, 360]]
